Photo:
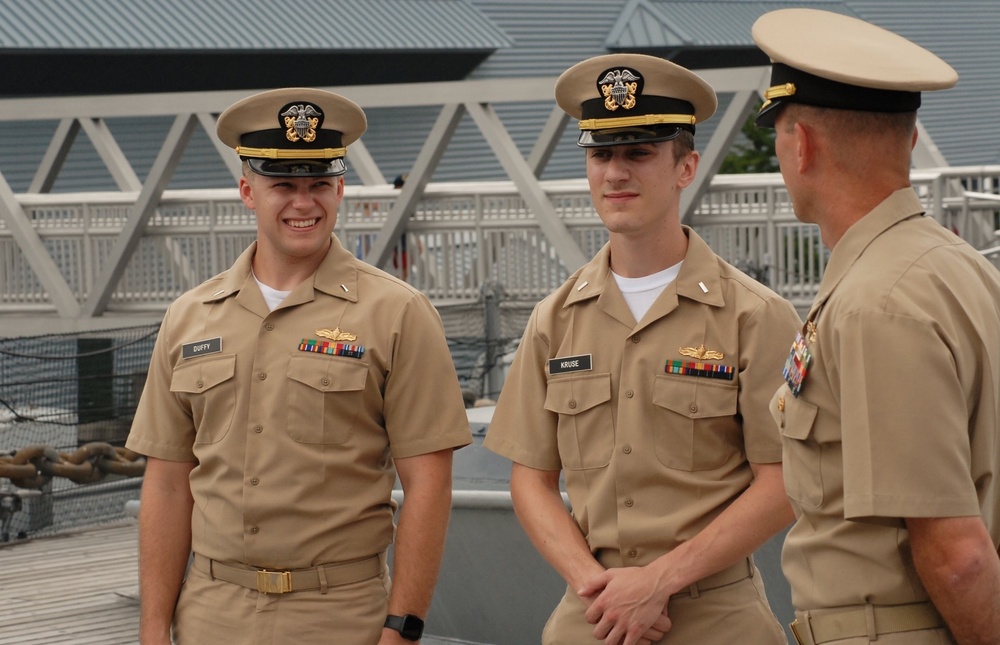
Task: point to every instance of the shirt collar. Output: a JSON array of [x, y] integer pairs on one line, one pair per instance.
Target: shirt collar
[[699, 278], [336, 276]]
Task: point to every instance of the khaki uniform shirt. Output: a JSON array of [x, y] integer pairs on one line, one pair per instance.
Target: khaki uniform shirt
[[650, 457], [293, 441], [899, 411]]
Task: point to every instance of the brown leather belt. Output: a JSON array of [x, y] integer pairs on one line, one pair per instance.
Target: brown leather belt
[[268, 581], [811, 628]]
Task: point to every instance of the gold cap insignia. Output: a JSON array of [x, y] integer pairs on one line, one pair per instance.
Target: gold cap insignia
[[618, 87], [701, 353], [301, 122], [336, 334]]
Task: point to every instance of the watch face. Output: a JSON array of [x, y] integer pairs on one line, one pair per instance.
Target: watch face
[[413, 628], [409, 626]]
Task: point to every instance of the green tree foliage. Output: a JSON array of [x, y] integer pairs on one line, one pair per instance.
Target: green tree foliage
[[753, 152]]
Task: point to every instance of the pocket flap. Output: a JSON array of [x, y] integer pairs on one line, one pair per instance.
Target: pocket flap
[[573, 395], [695, 398], [799, 418], [328, 374], [203, 373]]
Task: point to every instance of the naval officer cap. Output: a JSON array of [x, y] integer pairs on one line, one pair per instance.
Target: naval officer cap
[[293, 132], [633, 98], [835, 61]]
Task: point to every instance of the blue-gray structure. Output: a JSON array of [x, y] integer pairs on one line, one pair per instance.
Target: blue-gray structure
[[255, 44]]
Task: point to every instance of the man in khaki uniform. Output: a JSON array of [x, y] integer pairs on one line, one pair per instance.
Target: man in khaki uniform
[[284, 396], [891, 410], [645, 379]]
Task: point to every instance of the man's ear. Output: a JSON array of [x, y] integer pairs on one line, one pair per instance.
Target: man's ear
[[805, 147], [246, 193], [690, 169]]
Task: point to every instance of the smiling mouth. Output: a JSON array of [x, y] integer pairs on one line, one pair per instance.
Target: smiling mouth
[[302, 223]]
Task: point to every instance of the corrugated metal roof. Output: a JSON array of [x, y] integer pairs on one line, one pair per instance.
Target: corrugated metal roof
[[649, 24], [240, 25], [962, 120]]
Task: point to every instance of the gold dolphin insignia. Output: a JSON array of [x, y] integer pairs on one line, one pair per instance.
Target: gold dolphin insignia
[[336, 334], [701, 353]]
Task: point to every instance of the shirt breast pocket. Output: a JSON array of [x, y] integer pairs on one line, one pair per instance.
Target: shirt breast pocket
[[695, 425], [209, 387], [586, 431], [325, 397], [801, 452]]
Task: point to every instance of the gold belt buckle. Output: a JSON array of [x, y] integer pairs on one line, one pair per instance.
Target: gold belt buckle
[[274, 581]]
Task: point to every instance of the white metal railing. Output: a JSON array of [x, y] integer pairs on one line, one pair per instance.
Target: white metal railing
[[460, 236]]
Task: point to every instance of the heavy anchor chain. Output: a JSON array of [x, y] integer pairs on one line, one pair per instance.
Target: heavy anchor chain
[[35, 466]]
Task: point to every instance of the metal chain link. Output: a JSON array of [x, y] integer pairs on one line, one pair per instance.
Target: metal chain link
[[35, 466]]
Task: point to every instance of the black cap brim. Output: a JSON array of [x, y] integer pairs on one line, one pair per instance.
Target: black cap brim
[[629, 135], [298, 167]]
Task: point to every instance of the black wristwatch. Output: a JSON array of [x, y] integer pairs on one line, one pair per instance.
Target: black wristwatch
[[409, 626]]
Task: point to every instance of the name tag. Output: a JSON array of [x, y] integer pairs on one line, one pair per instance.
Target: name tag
[[201, 347], [581, 363]]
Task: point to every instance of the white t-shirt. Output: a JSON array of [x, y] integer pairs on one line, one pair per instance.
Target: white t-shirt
[[640, 293]]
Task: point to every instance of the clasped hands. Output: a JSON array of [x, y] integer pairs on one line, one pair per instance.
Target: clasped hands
[[626, 606]]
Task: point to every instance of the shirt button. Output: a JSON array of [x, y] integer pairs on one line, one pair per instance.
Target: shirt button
[[627, 449], [201, 384], [269, 326], [255, 530], [325, 381], [632, 553], [572, 405], [262, 376], [258, 429], [629, 502], [693, 407], [629, 393], [635, 339], [254, 481]]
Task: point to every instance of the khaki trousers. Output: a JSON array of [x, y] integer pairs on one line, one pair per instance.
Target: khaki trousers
[[213, 612], [735, 613]]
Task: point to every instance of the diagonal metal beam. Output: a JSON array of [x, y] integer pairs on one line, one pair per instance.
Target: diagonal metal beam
[[726, 131], [364, 164], [547, 141], [159, 176], [517, 169], [229, 156], [34, 251], [416, 180], [112, 156], [55, 156]]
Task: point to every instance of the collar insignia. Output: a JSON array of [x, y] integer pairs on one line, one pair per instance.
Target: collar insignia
[[619, 88], [300, 122], [701, 353], [336, 334]]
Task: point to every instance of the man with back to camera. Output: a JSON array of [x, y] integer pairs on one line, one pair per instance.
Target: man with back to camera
[[284, 395], [645, 380], [891, 408]]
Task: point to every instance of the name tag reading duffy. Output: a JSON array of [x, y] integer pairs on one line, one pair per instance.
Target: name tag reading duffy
[[581, 363], [200, 347]]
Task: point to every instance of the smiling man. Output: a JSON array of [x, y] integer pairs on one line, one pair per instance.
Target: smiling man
[[644, 380], [283, 398]]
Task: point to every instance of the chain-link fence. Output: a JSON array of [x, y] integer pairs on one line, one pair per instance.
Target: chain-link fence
[[67, 403]]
